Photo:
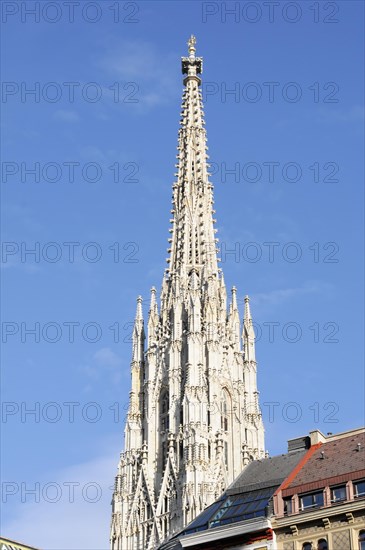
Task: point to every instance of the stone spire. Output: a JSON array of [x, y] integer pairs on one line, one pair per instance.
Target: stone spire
[[133, 429], [138, 335], [193, 242], [248, 333], [152, 318], [194, 420]]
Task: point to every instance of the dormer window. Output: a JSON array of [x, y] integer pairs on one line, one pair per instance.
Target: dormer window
[[359, 488], [338, 493], [288, 506], [311, 500]]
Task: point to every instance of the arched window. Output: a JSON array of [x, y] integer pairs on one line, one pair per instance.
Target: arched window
[[225, 410], [307, 546], [322, 544], [164, 411], [362, 540]]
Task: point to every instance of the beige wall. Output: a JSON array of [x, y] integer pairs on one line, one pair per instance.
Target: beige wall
[[341, 533]]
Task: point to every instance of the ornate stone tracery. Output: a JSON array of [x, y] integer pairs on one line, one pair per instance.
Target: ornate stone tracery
[[194, 420]]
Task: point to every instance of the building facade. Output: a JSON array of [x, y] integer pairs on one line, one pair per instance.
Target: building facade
[[194, 419], [321, 506], [8, 544], [241, 517], [312, 498]]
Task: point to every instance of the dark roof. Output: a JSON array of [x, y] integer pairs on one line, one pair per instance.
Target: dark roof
[[231, 508], [246, 498], [266, 472], [341, 457], [172, 544]]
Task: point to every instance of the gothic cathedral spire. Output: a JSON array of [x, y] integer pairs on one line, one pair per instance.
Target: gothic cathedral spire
[[194, 419]]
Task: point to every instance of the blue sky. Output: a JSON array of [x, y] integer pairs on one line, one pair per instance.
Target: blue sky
[[293, 132]]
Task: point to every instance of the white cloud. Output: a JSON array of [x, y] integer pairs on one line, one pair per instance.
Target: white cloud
[[276, 297], [134, 60], [107, 358], [66, 115], [355, 113], [141, 63], [67, 525], [104, 362]]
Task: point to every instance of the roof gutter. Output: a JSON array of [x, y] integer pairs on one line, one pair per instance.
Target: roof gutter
[[224, 532]]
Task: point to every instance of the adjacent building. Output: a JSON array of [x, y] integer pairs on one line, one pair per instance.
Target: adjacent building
[[312, 498], [321, 506], [194, 420], [241, 517], [7, 544]]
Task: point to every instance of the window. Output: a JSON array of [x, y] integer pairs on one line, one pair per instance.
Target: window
[[163, 451], [288, 508], [362, 540], [359, 488], [225, 410], [338, 493], [224, 416], [322, 544], [164, 408], [307, 546], [311, 500], [165, 403], [181, 450], [222, 510]]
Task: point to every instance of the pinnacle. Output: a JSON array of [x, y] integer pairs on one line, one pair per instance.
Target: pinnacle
[[153, 302], [139, 312], [247, 316], [234, 298]]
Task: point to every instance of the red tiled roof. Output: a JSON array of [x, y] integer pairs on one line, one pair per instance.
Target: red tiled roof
[[342, 460], [286, 483]]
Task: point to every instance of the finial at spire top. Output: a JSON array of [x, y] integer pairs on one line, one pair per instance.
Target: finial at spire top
[[191, 44], [192, 66]]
